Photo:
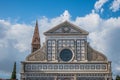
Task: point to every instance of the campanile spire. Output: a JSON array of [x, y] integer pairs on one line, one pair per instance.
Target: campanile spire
[[36, 38]]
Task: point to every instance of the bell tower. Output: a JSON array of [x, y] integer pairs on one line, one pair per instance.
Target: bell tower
[[36, 39]]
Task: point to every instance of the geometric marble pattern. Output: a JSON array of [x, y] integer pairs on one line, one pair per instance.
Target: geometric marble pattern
[[65, 55]]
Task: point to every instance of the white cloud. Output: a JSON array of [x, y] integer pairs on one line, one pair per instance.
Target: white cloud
[[89, 22], [22, 34], [115, 5], [18, 36], [101, 10], [66, 15], [45, 23], [118, 68], [98, 5], [93, 24], [3, 22], [19, 33], [16, 39], [98, 28]]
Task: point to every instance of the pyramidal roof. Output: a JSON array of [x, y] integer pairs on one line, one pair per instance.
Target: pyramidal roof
[[36, 37], [66, 28]]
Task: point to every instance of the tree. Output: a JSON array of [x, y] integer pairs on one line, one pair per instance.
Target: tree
[[13, 76], [117, 77]]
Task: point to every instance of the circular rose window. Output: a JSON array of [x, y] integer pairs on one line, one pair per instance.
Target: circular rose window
[[66, 55]]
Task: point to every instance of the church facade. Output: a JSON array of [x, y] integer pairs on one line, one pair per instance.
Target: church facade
[[65, 55]]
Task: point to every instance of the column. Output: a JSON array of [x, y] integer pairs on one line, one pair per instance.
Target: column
[[75, 76]]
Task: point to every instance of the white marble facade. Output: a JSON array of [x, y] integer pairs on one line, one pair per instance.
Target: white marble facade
[[65, 55]]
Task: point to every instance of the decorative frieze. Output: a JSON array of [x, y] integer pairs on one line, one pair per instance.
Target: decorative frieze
[[66, 55], [66, 67]]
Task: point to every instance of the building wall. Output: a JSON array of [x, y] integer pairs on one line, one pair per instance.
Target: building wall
[[77, 44], [66, 41]]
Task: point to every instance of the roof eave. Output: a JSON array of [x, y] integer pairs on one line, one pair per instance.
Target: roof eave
[[65, 34]]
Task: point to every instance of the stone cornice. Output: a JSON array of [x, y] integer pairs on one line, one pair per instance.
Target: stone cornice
[[80, 31]]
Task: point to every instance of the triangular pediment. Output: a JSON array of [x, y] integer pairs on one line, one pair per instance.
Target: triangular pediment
[[66, 28]]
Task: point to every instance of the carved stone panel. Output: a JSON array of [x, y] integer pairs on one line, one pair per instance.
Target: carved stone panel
[[37, 56]]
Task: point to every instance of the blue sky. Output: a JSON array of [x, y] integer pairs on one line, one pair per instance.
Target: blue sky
[[33, 9], [17, 20], [27, 10]]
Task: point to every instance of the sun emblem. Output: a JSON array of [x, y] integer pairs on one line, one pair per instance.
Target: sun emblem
[[66, 29]]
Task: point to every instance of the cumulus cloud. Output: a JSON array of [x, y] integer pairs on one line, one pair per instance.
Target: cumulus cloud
[[45, 23], [99, 4], [104, 36], [20, 33], [66, 15], [89, 22], [118, 68], [100, 32], [115, 5], [15, 39]]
